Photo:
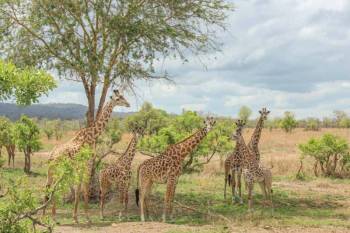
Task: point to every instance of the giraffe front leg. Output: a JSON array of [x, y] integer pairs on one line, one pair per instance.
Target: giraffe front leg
[[86, 193], [76, 202], [239, 183], [169, 196], [250, 195], [103, 192], [233, 184]]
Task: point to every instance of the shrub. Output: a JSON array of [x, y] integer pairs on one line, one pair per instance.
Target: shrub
[[331, 154]]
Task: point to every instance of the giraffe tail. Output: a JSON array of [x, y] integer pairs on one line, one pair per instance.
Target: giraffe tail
[[137, 195], [229, 180], [137, 190]]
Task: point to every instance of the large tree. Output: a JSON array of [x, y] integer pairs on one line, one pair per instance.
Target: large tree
[[108, 42]]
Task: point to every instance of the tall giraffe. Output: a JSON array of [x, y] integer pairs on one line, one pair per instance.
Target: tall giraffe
[[233, 164], [253, 145], [85, 136], [119, 173], [167, 168], [254, 172]]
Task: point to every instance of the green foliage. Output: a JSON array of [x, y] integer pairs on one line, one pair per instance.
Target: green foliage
[[244, 113], [344, 122], [74, 171], [330, 152], [288, 122], [27, 139], [18, 201], [114, 130], [27, 135], [313, 124], [6, 132], [148, 117], [179, 127], [26, 85]]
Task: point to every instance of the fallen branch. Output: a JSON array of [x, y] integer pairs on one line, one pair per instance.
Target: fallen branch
[[208, 213]]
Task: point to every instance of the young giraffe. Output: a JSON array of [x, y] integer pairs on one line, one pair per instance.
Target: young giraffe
[[253, 172], [85, 136], [119, 173], [166, 168], [253, 145], [233, 164]]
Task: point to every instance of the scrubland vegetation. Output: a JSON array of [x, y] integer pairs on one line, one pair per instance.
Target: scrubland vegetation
[[304, 196]]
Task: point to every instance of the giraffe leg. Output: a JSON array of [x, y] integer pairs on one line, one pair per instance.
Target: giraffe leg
[[86, 193], [227, 176], [239, 184], [76, 202], [169, 196], [49, 182], [13, 161], [263, 190], [144, 186], [233, 184], [103, 191], [123, 195], [250, 195], [148, 200]]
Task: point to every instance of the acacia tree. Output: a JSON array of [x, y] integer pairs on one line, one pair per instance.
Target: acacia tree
[[27, 134], [288, 122], [107, 43]]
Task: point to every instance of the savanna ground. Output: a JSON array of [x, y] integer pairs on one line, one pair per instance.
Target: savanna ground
[[311, 205]]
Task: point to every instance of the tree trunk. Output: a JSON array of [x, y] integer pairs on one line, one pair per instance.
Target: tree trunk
[[316, 168], [27, 163]]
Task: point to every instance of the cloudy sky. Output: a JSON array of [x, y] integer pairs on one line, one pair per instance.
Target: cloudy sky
[[286, 55]]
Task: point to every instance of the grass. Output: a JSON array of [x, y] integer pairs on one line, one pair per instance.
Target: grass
[[313, 202]]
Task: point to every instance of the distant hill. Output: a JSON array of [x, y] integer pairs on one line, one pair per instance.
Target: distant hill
[[50, 111]]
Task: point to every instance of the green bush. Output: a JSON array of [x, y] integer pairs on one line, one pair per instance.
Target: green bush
[[331, 154]]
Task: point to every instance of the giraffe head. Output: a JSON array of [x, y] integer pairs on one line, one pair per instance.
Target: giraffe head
[[239, 127], [209, 123], [138, 131], [264, 112], [119, 100]]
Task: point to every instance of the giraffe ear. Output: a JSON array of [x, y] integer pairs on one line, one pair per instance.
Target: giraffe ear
[[260, 111]]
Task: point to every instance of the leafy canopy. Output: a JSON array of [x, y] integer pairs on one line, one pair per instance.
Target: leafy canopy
[[108, 43], [25, 85], [27, 135]]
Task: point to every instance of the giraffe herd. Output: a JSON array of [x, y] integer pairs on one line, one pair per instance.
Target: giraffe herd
[[163, 169]]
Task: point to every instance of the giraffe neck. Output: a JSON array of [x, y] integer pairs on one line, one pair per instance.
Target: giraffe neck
[[254, 141], [186, 146], [129, 154], [248, 158], [90, 134]]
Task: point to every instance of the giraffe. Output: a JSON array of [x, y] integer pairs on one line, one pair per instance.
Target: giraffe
[[85, 136], [253, 172], [119, 173], [253, 145], [166, 169], [233, 164]]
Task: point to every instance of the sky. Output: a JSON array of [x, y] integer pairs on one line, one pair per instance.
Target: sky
[[290, 55]]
